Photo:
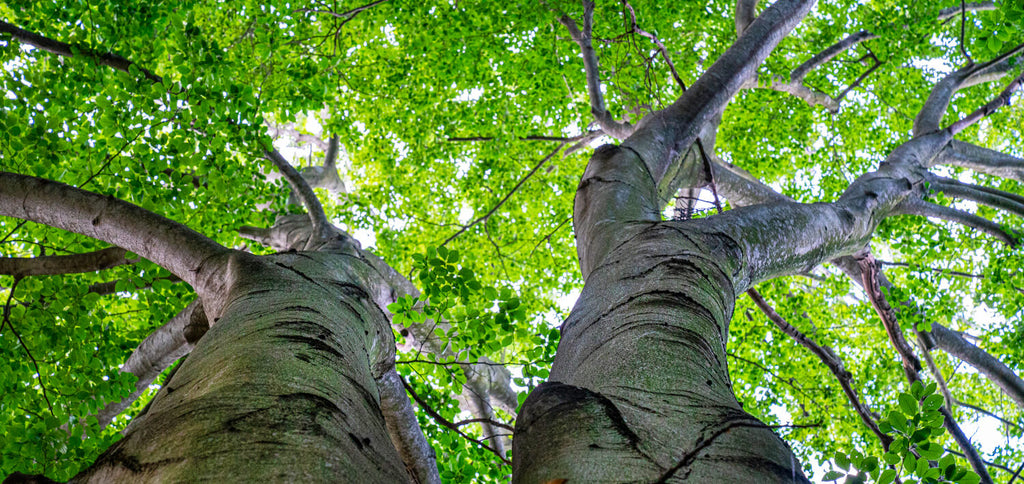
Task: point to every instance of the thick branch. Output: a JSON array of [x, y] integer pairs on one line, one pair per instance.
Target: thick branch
[[925, 209], [305, 192], [67, 50], [157, 352], [64, 264], [951, 342], [667, 133], [982, 160], [406, 435], [746, 12], [994, 198], [167, 243]]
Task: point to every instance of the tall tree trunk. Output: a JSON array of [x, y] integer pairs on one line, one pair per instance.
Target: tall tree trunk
[[282, 387]]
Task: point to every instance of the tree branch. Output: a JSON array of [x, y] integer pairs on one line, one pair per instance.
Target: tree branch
[[406, 435], [177, 248], [982, 160], [830, 359], [508, 195], [67, 50], [583, 38], [64, 264], [925, 209], [948, 13], [447, 423], [155, 354], [993, 369], [669, 132], [746, 12], [309, 199], [819, 59], [1003, 99]]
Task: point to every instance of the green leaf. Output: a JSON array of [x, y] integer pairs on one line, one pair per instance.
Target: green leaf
[[908, 404], [886, 477], [832, 475]]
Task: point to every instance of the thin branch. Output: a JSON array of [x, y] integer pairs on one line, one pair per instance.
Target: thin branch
[[493, 422], [948, 13], [67, 50], [508, 195], [990, 414], [344, 15], [7, 321], [940, 379], [65, 264], [828, 54], [661, 47], [592, 68], [963, 24], [447, 423], [830, 359], [932, 269]]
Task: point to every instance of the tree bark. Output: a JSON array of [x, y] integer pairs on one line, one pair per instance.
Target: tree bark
[[285, 383]]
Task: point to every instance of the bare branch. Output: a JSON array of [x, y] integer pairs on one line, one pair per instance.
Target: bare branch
[[951, 342], [67, 50], [309, 199], [672, 130], [7, 321], [1003, 99], [969, 452], [994, 198], [155, 354], [982, 160], [590, 64], [830, 359], [990, 414], [65, 264], [167, 243], [746, 12], [948, 13], [501, 202], [925, 209], [661, 47], [828, 54], [447, 423], [406, 435]]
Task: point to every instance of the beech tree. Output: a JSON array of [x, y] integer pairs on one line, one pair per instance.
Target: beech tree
[[796, 230]]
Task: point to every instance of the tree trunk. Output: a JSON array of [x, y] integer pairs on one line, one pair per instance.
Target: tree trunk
[[282, 387]]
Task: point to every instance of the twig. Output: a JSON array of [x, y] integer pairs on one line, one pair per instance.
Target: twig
[[830, 359], [488, 215], [7, 321], [447, 423]]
